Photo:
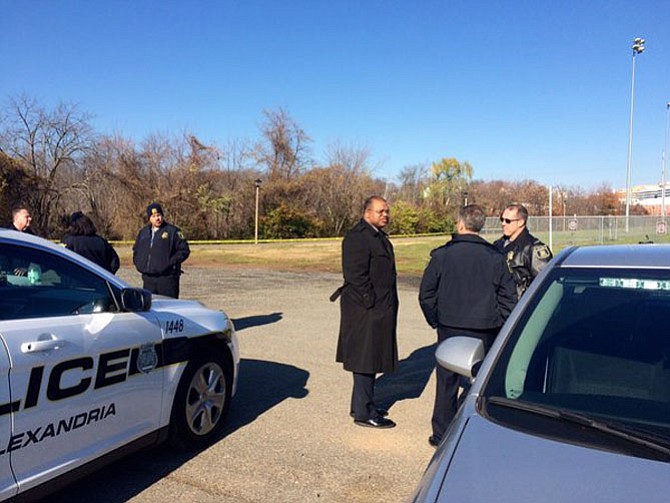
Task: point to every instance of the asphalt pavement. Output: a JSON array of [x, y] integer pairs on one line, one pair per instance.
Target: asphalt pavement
[[289, 437]]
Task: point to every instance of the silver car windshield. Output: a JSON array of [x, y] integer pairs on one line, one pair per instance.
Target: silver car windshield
[[596, 342]]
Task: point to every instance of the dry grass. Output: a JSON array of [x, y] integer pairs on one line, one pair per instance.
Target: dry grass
[[324, 255]]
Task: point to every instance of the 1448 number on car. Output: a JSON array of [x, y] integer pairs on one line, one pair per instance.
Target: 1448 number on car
[[174, 326]]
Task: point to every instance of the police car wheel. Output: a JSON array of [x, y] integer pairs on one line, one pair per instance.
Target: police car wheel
[[201, 403]]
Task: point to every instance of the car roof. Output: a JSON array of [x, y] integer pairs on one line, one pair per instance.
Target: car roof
[[7, 235], [656, 256]]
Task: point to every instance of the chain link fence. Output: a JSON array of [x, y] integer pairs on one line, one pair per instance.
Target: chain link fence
[[576, 230]]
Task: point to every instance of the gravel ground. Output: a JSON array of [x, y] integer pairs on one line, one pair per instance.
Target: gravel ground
[[289, 437]]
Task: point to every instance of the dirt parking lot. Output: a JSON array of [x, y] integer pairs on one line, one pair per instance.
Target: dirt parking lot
[[289, 437]]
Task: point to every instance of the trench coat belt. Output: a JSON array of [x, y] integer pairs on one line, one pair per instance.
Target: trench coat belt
[[336, 294]]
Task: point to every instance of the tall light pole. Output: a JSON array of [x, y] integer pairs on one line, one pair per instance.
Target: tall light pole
[[665, 159], [638, 48], [257, 185]]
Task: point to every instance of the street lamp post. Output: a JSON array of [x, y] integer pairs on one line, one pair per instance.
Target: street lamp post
[[665, 160], [638, 48], [257, 184], [465, 198]]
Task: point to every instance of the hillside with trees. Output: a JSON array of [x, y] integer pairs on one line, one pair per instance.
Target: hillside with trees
[[54, 161]]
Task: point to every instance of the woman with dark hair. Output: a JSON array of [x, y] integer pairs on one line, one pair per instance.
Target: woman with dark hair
[[83, 239]]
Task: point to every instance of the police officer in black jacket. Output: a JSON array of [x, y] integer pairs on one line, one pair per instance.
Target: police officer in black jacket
[[526, 255], [159, 250], [466, 289]]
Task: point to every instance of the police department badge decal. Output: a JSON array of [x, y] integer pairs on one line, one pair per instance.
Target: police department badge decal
[[147, 358]]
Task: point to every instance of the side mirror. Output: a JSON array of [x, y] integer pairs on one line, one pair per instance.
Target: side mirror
[[135, 300], [461, 354]]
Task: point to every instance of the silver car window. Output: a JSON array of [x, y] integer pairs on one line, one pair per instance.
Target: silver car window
[[595, 342]]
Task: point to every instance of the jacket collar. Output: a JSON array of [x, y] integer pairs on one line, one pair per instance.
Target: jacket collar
[[468, 238]]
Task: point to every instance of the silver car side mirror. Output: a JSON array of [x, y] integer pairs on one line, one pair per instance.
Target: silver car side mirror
[[460, 354]]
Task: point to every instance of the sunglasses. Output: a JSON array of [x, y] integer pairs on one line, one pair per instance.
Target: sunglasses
[[509, 220]]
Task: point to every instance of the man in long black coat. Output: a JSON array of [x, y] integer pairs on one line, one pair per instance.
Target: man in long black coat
[[367, 342]]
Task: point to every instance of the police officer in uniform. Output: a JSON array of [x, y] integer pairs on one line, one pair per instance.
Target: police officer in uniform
[[526, 255], [159, 250]]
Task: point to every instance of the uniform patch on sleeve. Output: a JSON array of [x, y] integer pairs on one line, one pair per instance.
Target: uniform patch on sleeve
[[542, 252], [181, 235]]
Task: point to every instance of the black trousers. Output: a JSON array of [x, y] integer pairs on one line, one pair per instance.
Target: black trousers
[[362, 397], [446, 391], [162, 285]]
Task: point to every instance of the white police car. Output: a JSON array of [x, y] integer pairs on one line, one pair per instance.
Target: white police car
[[91, 369]]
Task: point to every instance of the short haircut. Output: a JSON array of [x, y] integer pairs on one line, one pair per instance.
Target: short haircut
[[17, 209], [368, 202], [521, 211], [473, 217]]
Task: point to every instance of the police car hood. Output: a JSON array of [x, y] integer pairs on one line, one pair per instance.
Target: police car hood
[[188, 317], [495, 463]]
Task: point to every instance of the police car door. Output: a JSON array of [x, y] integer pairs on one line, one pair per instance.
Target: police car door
[[7, 483], [83, 377]]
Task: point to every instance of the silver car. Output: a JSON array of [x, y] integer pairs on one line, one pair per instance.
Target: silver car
[[572, 403]]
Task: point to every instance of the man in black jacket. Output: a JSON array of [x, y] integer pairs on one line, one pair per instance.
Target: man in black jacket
[[466, 289], [367, 342], [526, 255], [159, 250]]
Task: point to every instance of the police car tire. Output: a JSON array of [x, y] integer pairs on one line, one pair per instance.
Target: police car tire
[[201, 403]]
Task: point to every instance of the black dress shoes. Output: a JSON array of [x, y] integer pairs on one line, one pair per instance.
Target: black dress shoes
[[376, 422], [434, 441]]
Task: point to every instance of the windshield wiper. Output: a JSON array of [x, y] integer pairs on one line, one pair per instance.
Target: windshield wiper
[[646, 439]]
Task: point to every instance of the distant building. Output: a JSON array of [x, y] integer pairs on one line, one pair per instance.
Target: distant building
[[650, 197]]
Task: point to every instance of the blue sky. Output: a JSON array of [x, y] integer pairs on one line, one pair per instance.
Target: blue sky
[[537, 90]]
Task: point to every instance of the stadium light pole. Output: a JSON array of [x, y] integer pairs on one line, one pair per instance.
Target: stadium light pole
[[638, 48], [257, 185], [665, 159]]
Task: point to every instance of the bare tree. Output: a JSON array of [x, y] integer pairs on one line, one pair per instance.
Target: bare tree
[[412, 180], [285, 150], [45, 143], [338, 190]]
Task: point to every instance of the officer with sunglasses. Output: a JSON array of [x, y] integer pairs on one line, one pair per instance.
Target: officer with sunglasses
[[526, 255]]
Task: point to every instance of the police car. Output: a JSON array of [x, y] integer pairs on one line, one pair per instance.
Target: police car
[[92, 369]]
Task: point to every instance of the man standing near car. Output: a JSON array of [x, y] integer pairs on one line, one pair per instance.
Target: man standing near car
[[367, 342], [159, 250], [526, 255], [466, 289]]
